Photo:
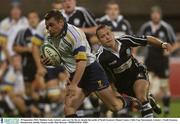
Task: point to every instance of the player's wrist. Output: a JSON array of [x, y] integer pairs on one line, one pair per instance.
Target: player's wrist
[[163, 45]]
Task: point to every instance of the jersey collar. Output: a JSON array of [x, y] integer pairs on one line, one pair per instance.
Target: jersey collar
[[114, 52], [68, 16]]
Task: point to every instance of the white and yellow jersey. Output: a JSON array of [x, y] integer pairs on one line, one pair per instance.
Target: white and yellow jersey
[[73, 47], [9, 29]]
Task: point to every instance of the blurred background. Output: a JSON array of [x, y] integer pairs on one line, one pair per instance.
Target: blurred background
[[137, 12]]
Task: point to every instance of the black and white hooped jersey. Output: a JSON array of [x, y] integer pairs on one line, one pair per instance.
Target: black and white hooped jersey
[[120, 26], [119, 62]]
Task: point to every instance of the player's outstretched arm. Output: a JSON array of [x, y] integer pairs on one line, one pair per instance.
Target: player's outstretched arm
[[159, 43]]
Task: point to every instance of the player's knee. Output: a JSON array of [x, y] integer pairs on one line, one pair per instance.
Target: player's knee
[[115, 109], [116, 106]]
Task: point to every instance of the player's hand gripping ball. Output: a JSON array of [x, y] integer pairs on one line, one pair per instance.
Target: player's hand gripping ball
[[50, 56]]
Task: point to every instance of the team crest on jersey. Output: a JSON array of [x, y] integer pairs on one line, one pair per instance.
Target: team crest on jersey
[[128, 52], [76, 22], [124, 28], [161, 34]]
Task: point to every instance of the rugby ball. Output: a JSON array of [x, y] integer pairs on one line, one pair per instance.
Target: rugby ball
[[49, 51]]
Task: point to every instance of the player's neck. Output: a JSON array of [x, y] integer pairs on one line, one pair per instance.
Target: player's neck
[[115, 46]]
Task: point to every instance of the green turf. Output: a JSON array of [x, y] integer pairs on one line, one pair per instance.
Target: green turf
[[174, 109]]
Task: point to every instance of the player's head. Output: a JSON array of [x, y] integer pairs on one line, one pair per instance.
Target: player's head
[[112, 9], [33, 19], [56, 4], [156, 14], [69, 5], [55, 23], [15, 12], [105, 35]]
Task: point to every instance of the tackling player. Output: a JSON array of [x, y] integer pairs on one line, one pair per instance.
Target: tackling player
[[129, 76]]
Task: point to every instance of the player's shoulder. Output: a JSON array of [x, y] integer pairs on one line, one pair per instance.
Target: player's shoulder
[[102, 54], [146, 24], [74, 34], [5, 20], [80, 8], [23, 30], [99, 53], [103, 18], [42, 23], [23, 19], [73, 29], [166, 25], [124, 20], [123, 38]]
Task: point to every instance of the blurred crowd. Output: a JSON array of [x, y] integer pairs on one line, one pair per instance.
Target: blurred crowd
[[26, 90]]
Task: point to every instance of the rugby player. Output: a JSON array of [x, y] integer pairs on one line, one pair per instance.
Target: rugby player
[[157, 60], [129, 76], [115, 20]]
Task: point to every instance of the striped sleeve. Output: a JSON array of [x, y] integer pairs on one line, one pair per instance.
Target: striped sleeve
[[3, 38], [129, 29], [132, 41], [39, 37], [19, 40], [143, 28], [171, 34], [77, 39], [3, 32], [89, 17], [37, 40]]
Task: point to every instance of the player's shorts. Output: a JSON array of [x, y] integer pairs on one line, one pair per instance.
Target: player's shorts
[[125, 81], [29, 72], [159, 67], [52, 73], [93, 79]]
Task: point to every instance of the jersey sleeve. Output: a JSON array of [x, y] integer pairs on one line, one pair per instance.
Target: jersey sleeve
[[3, 31], [89, 18], [78, 41], [133, 41], [129, 29], [19, 38], [171, 35], [3, 38], [40, 35], [142, 29]]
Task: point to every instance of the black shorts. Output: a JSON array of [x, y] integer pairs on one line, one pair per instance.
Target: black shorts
[[159, 67], [52, 73], [29, 72], [125, 81], [93, 79]]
